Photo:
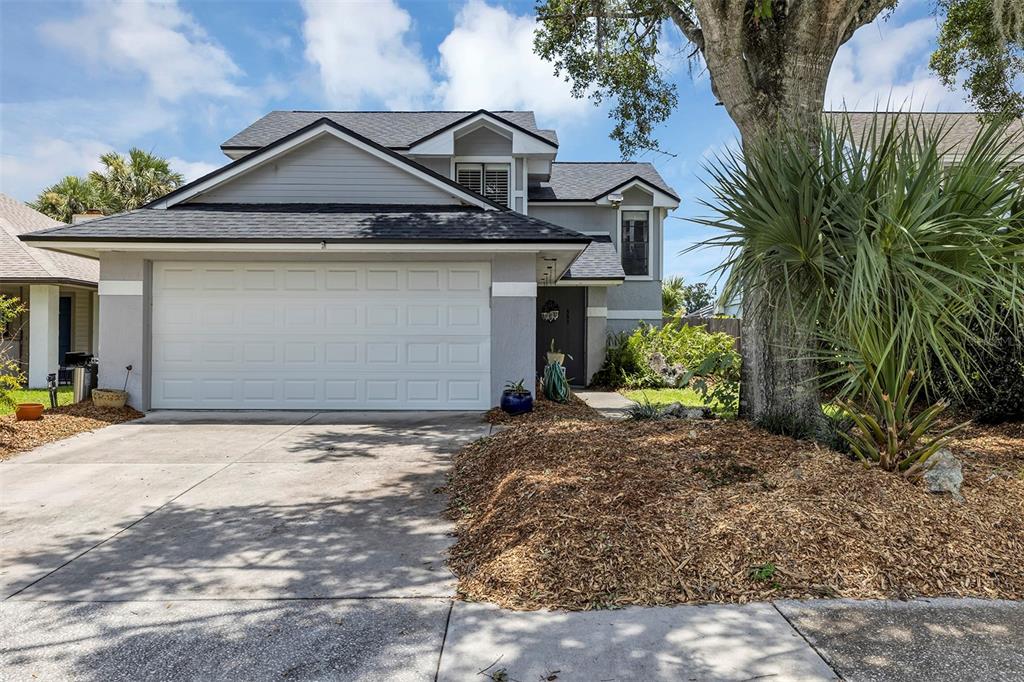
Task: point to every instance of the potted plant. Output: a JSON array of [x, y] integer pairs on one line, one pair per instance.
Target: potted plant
[[516, 398], [555, 355], [111, 397]]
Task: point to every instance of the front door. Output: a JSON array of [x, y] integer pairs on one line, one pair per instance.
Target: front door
[[562, 316], [63, 328]]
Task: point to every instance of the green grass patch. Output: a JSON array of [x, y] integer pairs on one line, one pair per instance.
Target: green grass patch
[[39, 395], [666, 396]]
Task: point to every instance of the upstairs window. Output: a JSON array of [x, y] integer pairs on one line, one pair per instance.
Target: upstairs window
[[488, 179], [636, 242]]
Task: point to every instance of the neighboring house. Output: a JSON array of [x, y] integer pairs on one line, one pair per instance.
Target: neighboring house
[[59, 290], [374, 260], [959, 129]]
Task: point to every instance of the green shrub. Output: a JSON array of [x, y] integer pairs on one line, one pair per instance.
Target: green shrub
[[11, 376], [644, 410], [685, 356]]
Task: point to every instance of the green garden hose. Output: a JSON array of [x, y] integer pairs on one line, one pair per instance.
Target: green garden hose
[[556, 386]]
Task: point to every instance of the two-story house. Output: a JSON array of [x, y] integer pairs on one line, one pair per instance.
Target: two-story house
[[374, 260]]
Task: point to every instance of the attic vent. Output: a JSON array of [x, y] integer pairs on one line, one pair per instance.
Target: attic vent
[[488, 179]]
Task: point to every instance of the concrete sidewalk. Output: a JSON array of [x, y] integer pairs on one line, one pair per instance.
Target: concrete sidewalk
[[423, 639]]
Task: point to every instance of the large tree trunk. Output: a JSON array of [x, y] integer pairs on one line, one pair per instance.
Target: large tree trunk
[[767, 74]]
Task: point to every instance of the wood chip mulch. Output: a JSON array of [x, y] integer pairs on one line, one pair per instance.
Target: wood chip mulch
[[57, 424], [544, 410], [582, 514]]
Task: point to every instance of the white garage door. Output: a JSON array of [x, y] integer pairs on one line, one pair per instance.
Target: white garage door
[[321, 336]]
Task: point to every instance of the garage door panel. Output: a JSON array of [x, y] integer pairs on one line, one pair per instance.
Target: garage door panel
[[321, 336]]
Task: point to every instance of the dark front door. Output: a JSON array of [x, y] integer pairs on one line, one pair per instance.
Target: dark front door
[[562, 316], [63, 328]]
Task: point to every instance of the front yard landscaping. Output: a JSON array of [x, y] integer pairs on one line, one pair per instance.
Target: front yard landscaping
[[583, 513], [37, 395], [57, 424]]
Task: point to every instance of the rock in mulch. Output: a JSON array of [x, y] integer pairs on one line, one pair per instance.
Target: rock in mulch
[[580, 514], [944, 474], [58, 424]]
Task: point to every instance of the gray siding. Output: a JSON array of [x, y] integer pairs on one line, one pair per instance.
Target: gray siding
[[581, 218], [636, 197], [328, 170], [441, 165], [601, 219], [597, 331], [513, 325], [483, 142]]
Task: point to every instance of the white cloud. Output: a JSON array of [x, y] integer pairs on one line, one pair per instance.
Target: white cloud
[[364, 52], [45, 160], [487, 61], [886, 67], [157, 40], [192, 169]]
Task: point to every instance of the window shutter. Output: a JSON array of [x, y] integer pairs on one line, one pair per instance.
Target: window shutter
[[470, 176], [496, 183]]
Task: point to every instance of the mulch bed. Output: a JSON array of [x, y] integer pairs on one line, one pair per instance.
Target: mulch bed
[[582, 514], [57, 424], [544, 410]]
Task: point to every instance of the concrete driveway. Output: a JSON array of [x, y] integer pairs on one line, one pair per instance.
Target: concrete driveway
[[248, 546]]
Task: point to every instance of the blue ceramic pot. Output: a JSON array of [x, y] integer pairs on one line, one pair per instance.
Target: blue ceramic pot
[[515, 403]]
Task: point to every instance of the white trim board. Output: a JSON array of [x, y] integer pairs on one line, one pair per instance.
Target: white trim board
[[597, 312], [120, 287], [634, 315], [505, 289]]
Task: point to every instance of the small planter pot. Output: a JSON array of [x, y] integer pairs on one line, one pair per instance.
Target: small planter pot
[[28, 412], [108, 397], [556, 357], [516, 403]]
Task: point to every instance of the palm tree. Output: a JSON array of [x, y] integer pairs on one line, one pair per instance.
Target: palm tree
[[881, 254], [671, 296], [71, 195], [126, 184]]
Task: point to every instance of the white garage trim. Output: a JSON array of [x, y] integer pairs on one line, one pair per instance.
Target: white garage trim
[[634, 314], [338, 335], [528, 289], [119, 287]]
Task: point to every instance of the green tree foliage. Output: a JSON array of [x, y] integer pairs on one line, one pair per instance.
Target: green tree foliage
[[672, 296], [63, 199], [901, 263], [11, 375], [124, 184], [127, 183], [985, 40], [677, 297]]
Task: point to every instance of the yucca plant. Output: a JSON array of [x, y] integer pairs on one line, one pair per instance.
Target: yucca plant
[[884, 255]]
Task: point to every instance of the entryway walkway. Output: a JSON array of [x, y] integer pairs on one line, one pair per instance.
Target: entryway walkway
[[610, 404]]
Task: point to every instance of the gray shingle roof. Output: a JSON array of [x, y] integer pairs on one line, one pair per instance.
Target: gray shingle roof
[[960, 128], [394, 129], [585, 181], [314, 222], [24, 263], [599, 260]]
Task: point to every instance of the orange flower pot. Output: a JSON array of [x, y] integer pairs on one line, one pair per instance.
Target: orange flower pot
[[28, 412]]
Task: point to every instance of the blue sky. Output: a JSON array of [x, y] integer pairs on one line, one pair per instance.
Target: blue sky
[[178, 78]]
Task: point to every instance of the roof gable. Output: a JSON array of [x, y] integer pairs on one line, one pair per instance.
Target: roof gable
[[392, 129], [590, 181], [322, 129], [21, 262]]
